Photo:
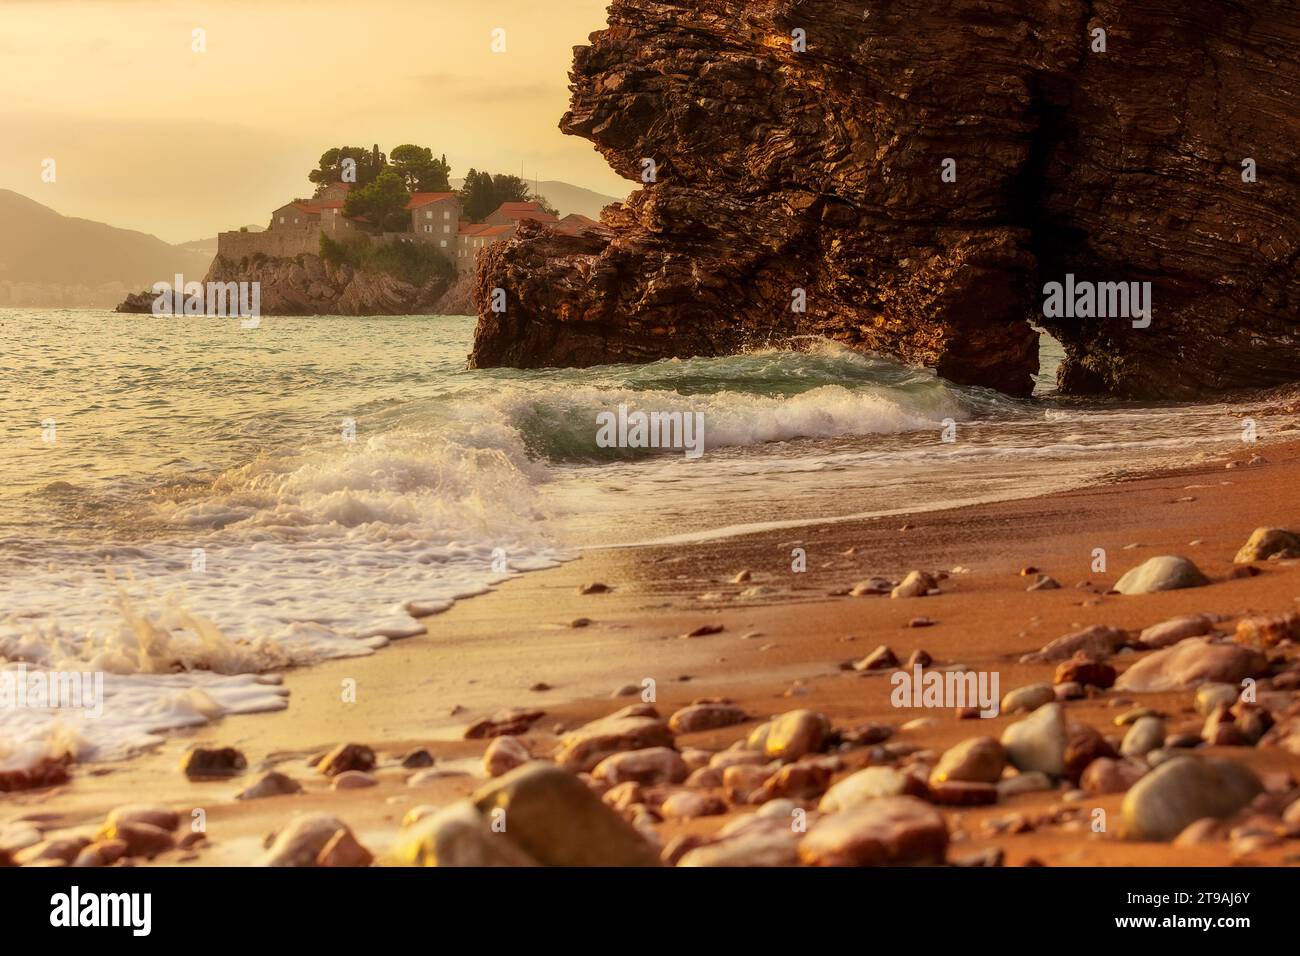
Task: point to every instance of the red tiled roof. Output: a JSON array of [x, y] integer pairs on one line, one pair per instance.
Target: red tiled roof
[[524, 210], [423, 199], [308, 207], [495, 230], [470, 228], [330, 204]]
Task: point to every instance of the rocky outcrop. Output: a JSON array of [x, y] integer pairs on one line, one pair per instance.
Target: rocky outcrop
[[803, 192], [310, 285]]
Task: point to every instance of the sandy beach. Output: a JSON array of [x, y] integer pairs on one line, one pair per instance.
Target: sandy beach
[[787, 641]]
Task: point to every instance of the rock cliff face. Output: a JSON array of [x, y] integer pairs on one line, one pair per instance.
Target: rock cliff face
[[308, 285], [785, 176]]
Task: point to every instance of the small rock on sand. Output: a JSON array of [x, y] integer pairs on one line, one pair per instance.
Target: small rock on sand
[[347, 757], [1265, 543], [636, 727], [203, 763], [1170, 632], [271, 784], [796, 733], [556, 820], [1098, 642], [1181, 791], [871, 783], [977, 760], [882, 658], [654, 765], [512, 722], [916, 584], [1145, 735], [1193, 661], [1027, 698], [1164, 573], [1038, 742], [503, 754], [889, 831], [352, 780], [594, 588], [705, 717], [704, 630], [300, 843], [343, 850]]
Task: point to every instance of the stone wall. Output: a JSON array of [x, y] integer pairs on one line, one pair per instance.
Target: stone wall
[[284, 242]]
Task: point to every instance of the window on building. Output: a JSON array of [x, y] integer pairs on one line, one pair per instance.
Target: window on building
[[444, 243], [446, 215], [446, 228], [282, 220], [428, 215]]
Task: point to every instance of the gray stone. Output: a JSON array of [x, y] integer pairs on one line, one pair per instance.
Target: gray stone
[[1164, 573], [873, 783], [1027, 698], [1038, 742], [1146, 734], [1181, 791]]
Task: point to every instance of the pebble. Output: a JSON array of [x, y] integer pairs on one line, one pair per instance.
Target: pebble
[[352, 780], [1170, 632], [1107, 775], [689, 804], [1193, 661], [346, 757], [270, 784], [977, 760], [417, 758], [1098, 642], [300, 843], [653, 765], [1181, 791], [1264, 543], [637, 727], [889, 831], [1038, 742], [704, 630], [594, 588], [1145, 735], [1028, 698], [796, 733], [872, 783], [1044, 583], [1082, 669], [343, 850], [882, 658], [557, 821], [872, 586], [915, 584], [203, 763], [706, 717], [1164, 573], [504, 754], [1032, 782]]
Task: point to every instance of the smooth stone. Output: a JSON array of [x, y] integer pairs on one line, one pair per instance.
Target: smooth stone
[[872, 783], [1264, 543], [1170, 632], [1033, 781], [889, 831], [503, 754], [796, 733], [583, 748], [300, 843], [207, 763], [1038, 742], [1145, 735], [352, 780], [1191, 662], [1166, 572], [775, 844], [556, 819], [1181, 791], [1210, 697], [347, 757], [270, 784], [1108, 775], [689, 804], [651, 766], [1028, 698], [1098, 642], [343, 850], [456, 835], [915, 584], [156, 815], [705, 717], [977, 760]]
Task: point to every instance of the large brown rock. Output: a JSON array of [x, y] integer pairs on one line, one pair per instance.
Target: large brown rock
[[889, 831], [1181, 791], [1193, 661], [583, 748], [820, 170], [556, 820]]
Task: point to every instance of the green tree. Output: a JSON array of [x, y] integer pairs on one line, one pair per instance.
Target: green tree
[[383, 201], [369, 164], [421, 172], [484, 192], [545, 204]]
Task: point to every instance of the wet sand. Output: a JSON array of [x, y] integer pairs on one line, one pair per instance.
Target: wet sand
[[782, 647]]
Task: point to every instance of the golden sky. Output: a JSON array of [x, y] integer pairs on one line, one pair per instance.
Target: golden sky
[[148, 134]]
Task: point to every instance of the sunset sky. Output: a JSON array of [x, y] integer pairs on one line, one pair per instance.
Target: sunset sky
[[149, 135]]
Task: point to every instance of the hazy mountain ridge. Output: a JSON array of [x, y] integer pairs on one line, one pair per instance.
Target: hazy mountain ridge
[[48, 259]]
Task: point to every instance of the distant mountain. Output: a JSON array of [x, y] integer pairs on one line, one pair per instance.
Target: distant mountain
[[47, 259], [567, 197]]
